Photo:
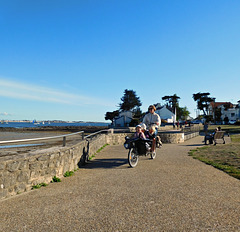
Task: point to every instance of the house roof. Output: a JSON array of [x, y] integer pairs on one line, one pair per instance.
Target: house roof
[[217, 104]]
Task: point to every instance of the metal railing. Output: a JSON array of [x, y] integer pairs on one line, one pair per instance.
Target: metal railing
[[44, 138], [98, 132], [90, 136]]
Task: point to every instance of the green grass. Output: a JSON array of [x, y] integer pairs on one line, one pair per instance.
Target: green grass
[[68, 173], [228, 128], [100, 149], [56, 179], [37, 186], [235, 138], [225, 157]]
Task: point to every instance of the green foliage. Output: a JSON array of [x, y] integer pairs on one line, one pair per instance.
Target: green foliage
[[218, 115], [68, 173], [39, 186], [102, 147], [134, 122], [172, 100], [203, 100], [130, 101], [94, 155], [91, 157], [56, 179], [182, 113], [111, 115]]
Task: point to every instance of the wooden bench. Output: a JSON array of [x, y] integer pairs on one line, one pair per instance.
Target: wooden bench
[[218, 135]]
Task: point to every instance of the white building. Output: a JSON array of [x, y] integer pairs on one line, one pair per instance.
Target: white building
[[232, 111], [166, 114], [123, 119]]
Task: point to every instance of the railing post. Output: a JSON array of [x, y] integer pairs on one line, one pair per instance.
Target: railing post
[[82, 135], [64, 141]]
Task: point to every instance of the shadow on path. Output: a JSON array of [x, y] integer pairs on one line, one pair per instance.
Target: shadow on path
[[105, 163]]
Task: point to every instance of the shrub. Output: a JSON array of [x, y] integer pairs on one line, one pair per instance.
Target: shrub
[[56, 179], [68, 173]]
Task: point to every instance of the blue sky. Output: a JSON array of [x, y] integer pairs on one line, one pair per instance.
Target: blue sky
[[72, 60]]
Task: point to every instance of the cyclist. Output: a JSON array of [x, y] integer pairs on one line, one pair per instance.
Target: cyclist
[[152, 119]]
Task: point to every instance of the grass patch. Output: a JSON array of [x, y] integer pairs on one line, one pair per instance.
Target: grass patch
[[56, 179], [228, 128], [235, 138], [68, 173], [225, 157], [101, 148], [37, 186]]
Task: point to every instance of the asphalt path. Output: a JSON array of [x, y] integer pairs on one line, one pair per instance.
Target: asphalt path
[[174, 192]]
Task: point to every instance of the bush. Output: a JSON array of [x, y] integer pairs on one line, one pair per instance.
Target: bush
[[56, 179], [68, 173]]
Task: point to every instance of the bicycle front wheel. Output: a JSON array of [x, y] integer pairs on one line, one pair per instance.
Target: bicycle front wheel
[[153, 155], [132, 158]]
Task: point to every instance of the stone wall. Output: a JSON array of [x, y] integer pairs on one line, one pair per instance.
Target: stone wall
[[20, 172], [171, 137]]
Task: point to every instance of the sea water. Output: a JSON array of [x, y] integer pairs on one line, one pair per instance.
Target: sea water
[[16, 135], [31, 124]]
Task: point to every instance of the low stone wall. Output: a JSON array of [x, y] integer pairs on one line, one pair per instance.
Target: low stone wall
[[191, 135], [176, 136], [20, 172], [171, 137]]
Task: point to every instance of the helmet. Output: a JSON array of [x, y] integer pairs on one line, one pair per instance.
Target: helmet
[[143, 126]]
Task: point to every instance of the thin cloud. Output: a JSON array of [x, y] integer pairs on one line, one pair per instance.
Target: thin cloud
[[31, 92], [4, 114]]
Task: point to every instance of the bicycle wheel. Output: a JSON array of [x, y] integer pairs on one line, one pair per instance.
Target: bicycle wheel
[[153, 155], [132, 158]]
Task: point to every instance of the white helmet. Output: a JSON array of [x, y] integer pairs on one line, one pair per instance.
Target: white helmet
[[143, 126]]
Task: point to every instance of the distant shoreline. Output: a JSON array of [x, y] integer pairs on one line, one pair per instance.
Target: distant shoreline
[[86, 129]]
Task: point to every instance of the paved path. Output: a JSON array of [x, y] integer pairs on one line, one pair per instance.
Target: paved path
[[174, 192]]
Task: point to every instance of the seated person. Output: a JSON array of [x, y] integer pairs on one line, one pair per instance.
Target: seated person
[[139, 133], [150, 134], [140, 129], [210, 137]]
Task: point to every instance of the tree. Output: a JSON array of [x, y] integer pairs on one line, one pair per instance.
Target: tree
[[218, 115], [227, 105], [111, 115], [203, 100], [130, 101], [172, 100], [183, 113]]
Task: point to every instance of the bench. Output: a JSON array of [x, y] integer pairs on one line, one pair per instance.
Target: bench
[[218, 135]]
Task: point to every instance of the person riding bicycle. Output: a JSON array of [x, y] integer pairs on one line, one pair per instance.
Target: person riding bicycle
[[152, 119]]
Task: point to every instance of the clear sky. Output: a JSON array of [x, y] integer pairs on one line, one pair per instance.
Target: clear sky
[[73, 59]]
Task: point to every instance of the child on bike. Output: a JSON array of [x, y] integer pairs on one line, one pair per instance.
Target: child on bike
[[139, 133]]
